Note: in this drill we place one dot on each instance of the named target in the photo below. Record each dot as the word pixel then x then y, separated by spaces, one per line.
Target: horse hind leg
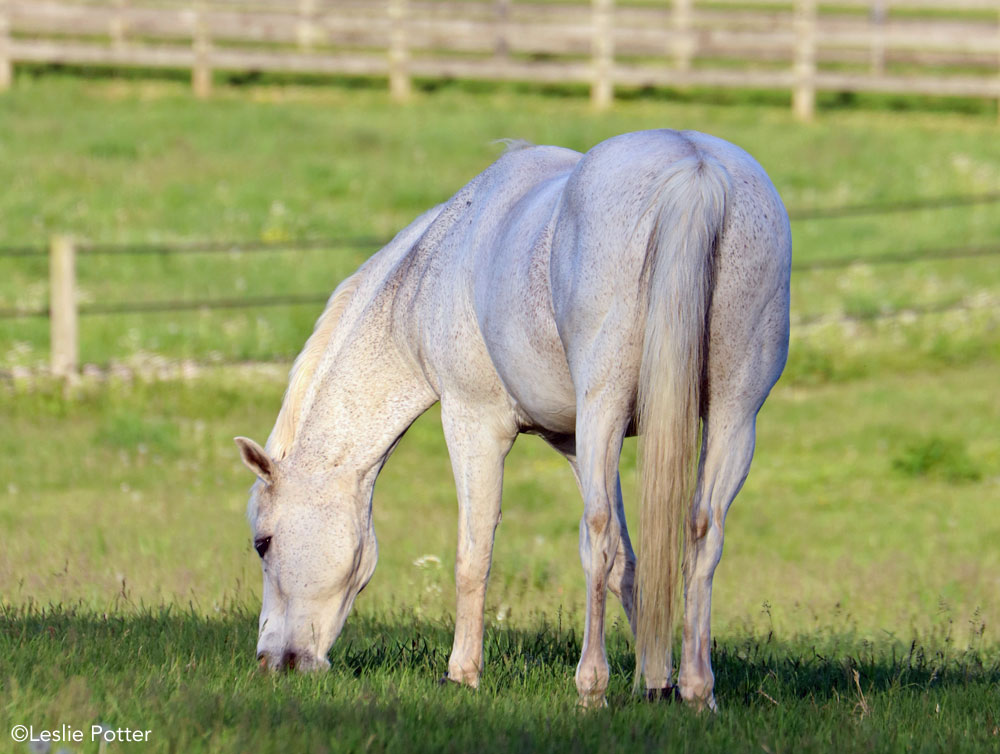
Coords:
pixel 600 429
pixel 738 386
pixel 621 580
pixel 726 455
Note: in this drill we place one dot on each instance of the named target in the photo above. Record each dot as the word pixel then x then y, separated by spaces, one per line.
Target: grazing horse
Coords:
pixel 642 288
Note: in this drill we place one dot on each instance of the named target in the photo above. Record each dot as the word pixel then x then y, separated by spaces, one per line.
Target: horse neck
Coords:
pixel 364 398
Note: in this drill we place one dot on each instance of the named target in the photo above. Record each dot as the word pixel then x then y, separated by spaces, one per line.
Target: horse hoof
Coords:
pixel 699 704
pixel 468 681
pixel 666 694
pixel 592 701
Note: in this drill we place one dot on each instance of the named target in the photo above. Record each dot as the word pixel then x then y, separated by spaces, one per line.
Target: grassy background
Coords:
pixel 140 161
pixel 127 582
pixel 886 483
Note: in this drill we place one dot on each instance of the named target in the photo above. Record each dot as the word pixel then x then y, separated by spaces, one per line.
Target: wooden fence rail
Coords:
pixel 934 47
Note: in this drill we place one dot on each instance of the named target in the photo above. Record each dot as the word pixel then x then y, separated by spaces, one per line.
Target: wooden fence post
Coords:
pixel 877 18
pixel 117 30
pixel 307 25
pixel 602 88
pixel 62 307
pixel 683 40
pixel 804 94
pixel 201 73
pixel 6 67
pixel 399 53
pixel 502 48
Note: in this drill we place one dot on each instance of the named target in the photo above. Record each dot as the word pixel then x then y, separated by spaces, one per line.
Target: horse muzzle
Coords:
pixel 290 659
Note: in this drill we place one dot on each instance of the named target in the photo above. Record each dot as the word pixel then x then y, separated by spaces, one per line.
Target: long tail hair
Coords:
pixel 690 208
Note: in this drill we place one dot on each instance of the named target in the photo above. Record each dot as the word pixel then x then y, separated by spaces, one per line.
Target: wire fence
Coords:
pixel 180 305
pixel 369 243
pixel 200 247
pixel 908 205
pixel 260 302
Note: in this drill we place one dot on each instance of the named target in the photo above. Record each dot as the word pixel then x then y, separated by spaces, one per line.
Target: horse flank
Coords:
pixel 304 368
pixel 690 203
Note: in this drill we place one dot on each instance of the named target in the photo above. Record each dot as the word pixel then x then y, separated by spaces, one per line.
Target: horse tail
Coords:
pixel 689 203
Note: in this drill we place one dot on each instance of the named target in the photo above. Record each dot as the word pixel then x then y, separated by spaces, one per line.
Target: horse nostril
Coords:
pixel 288 661
pixel 262 660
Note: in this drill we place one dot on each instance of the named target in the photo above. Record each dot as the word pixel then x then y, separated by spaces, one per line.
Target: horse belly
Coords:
pixel 531 363
pixel 514 304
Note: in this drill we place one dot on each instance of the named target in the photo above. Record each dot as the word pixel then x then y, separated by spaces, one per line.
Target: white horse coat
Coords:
pixel 640 287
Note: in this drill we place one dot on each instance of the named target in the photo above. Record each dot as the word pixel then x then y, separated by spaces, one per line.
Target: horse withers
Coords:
pixel 641 287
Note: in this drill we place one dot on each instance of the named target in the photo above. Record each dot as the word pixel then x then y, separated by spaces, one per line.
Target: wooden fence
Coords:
pixel 932 47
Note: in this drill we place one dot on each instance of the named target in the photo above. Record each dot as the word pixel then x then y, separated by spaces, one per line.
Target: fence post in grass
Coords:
pixel 307 25
pixel 804 94
pixel 399 54
pixel 683 38
pixel 201 73
pixel 6 68
pixel 602 87
pixel 117 30
pixel 502 48
pixel 62 307
pixel 877 18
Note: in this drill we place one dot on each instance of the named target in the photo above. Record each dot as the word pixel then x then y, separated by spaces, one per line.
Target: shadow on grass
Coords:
pixel 819 665
pixel 192 680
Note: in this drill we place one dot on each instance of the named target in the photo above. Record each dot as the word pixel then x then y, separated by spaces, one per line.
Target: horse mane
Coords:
pixel 304 368
pixel 513 145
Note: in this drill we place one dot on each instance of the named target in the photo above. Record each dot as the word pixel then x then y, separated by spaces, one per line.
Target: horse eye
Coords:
pixel 261 545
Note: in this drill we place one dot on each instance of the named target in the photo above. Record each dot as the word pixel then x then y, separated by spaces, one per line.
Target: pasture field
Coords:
pixel 855 608
pixel 141 161
pixel 865 540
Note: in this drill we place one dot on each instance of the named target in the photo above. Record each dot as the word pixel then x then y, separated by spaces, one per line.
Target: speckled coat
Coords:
pixel 640 287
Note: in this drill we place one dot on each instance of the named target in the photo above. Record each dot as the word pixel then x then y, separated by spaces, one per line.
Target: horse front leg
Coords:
pixel 599 443
pixel 477 453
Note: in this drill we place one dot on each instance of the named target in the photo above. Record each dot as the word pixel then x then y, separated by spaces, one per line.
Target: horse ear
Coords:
pixel 256 459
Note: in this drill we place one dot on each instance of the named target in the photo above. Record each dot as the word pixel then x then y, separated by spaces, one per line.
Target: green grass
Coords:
pixel 136 487
pixel 141 161
pixel 160 667
pixel 864 539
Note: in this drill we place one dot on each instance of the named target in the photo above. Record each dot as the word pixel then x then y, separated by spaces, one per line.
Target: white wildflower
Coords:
pixel 425 562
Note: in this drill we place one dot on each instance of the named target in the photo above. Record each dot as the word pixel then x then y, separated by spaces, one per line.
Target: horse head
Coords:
pixel 317 550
